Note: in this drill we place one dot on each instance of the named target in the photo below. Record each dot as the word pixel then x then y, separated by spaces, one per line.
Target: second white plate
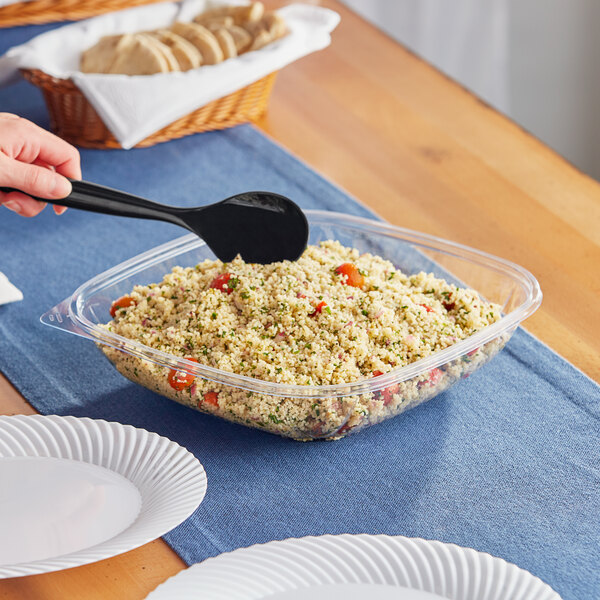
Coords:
pixel 353 567
pixel 75 491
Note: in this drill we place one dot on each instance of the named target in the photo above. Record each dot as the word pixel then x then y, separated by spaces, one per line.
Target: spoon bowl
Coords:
pixel 262 227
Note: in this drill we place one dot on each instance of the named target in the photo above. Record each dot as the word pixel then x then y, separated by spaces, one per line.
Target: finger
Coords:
pixel 41 163
pixel 55 152
pixel 33 180
pixel 21 204
pixel 71 168
pixel 59 210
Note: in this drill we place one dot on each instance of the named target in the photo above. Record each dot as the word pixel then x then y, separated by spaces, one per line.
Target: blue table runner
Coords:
pixel 507 462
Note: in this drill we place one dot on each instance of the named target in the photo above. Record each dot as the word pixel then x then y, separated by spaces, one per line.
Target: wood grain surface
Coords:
pixel 426 154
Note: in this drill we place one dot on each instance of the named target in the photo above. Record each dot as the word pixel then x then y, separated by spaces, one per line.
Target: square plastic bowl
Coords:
pixel 306 412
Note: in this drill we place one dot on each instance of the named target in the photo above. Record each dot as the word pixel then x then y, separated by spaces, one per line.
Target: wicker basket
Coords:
pixel 74 119
pixel 37 12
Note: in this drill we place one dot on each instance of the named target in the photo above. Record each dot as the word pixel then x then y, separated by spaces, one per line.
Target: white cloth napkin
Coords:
pixel 8 292
pixel 133 107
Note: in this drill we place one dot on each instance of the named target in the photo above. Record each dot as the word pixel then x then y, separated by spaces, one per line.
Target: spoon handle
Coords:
pixel 100 199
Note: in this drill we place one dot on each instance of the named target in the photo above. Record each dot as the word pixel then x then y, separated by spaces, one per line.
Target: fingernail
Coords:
pixel 13 205
pixel 61 187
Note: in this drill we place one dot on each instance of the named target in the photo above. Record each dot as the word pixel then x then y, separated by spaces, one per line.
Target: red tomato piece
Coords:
pixel 179 380
pixel 353 275
pixel 387 394
pixel 435 377
pixel 319 308
pixel 427 308
pixel 122 302
pixel 472 352
pixel 211 398
pixel 220 283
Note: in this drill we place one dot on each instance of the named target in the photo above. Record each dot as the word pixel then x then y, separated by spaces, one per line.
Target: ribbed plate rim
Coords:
pixel 140 452
pixel 446 569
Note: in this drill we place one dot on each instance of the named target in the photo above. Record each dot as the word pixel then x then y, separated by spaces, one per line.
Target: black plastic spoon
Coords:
pixel 262 227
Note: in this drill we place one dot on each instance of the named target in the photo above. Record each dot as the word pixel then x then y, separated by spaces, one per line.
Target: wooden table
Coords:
pixel 426 154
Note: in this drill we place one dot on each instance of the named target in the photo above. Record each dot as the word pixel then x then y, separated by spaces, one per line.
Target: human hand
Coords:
pixel 35 161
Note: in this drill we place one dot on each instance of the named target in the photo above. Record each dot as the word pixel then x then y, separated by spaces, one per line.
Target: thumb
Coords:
pixel 33 179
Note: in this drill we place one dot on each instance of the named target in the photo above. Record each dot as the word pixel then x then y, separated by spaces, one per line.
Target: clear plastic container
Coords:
pixel 307 412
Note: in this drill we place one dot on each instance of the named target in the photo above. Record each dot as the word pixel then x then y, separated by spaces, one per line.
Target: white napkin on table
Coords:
pixel 133 107
pixel 8 292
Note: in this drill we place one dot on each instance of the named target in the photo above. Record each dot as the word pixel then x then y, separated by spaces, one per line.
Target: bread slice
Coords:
pixel 202 39
pixel 100 57
pixel 164 50
pixel 139 57
pixel 248 13
pixel 212 22
pixel 241 38
pixel 270 28
pixel 186 54
pixel 226 42
pixel 271 22
pixel 275 24
pixel 261 39
pixel 240 14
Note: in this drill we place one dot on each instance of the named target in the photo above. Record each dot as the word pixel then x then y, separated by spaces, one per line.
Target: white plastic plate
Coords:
pixel 352 567
pixel 75 491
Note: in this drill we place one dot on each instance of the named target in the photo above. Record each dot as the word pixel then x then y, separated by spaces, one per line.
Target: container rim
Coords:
pixel 77 323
